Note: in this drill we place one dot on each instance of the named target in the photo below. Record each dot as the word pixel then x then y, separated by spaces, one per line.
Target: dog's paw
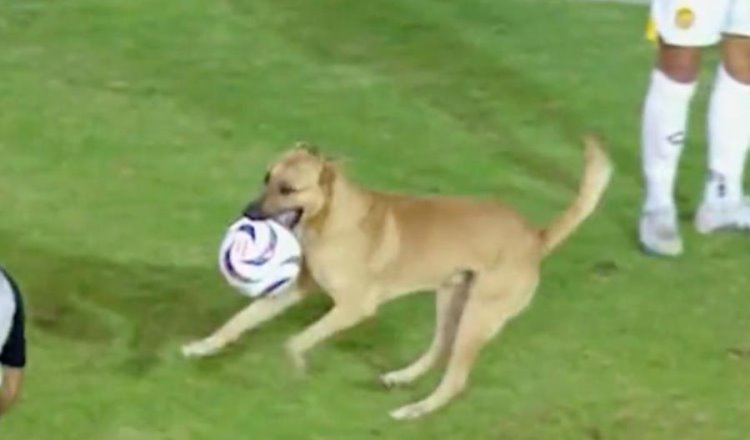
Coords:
pixel 396 379
pixel 410 412
pixel 201 348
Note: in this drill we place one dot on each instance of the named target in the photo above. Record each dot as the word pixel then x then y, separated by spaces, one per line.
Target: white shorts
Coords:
pixel 699 22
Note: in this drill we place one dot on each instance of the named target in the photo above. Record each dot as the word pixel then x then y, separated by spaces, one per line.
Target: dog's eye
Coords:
pixel 286 189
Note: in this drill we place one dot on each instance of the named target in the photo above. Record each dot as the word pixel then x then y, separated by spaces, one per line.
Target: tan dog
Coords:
pixel 365 248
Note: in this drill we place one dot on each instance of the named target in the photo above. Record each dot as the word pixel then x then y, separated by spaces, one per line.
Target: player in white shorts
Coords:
pixel 682 28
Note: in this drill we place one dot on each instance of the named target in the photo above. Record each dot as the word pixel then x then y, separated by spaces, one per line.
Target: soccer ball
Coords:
pixel 259 257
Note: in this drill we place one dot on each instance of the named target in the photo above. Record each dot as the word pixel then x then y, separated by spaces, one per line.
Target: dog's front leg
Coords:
pixel 250 317
pixel 340 317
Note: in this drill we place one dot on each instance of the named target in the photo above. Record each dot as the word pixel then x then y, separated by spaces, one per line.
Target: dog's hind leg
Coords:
pixel 492 302
pixel 450 299
pixel 252 316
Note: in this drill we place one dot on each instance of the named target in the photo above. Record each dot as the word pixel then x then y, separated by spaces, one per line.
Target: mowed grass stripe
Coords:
pixel 429 62
pixel 513 120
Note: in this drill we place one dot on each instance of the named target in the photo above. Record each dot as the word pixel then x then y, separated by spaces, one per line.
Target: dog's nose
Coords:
pixel 253 211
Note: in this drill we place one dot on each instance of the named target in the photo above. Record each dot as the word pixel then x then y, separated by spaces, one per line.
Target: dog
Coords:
pixel 365 248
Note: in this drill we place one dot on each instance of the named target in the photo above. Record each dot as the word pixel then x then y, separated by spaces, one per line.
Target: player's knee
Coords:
pixel 679 63
pixel 736 58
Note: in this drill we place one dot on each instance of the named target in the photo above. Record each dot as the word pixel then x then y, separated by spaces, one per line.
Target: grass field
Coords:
pixel 132 132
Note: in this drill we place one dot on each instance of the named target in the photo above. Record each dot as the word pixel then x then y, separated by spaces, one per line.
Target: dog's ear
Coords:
pixel 316 151
pixel 337 161
pixel 327 174
pixel 308 147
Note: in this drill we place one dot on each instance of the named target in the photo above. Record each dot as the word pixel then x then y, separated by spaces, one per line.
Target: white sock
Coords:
pixel 729 139
pixel 664 124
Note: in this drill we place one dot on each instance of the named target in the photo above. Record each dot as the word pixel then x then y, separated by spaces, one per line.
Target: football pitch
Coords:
pixel 132 132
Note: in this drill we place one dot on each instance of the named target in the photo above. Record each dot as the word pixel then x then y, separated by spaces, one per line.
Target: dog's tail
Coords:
pixel 597 173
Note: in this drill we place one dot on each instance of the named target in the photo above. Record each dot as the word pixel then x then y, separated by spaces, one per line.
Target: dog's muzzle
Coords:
pixel 288 217
pixel 253 211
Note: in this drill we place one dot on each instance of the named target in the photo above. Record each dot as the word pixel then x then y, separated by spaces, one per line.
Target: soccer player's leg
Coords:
pixel 724 204
pixel 12 342
pixel 680 35
pixel 663 127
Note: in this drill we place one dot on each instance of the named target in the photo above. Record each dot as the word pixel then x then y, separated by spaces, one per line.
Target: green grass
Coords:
pixel 132 131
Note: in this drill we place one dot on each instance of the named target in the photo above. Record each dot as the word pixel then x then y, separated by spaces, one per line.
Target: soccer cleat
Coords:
pixel 659 233
pixel 715 216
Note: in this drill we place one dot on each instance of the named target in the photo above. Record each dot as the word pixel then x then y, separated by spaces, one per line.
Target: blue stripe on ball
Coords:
pixel 249 229
pixel 232 271
pixel 268 253
pixel 268 290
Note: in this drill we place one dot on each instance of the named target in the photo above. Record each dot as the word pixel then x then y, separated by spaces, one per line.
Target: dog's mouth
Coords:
pixel 289 217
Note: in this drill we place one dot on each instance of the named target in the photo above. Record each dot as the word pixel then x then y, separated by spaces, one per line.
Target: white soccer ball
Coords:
pixel 259 257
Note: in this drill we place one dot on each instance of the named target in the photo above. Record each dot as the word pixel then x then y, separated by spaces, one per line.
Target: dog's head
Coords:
pixel 295 188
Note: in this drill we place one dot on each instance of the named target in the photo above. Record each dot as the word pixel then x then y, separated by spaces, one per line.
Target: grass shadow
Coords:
pixel 147 308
